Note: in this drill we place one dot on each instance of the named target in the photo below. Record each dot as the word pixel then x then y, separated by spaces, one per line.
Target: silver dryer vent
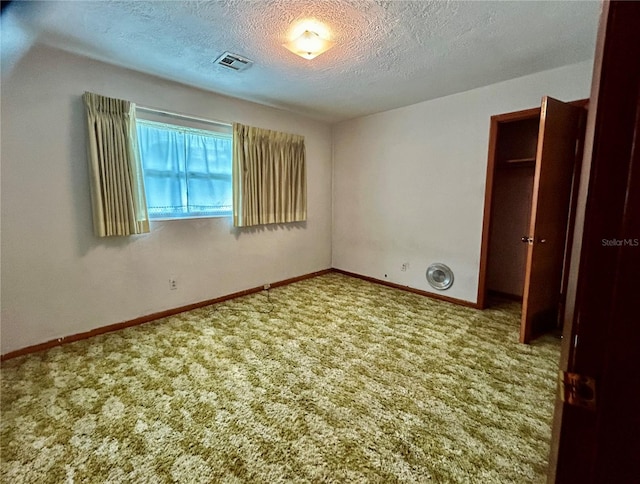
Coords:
pixel 440 276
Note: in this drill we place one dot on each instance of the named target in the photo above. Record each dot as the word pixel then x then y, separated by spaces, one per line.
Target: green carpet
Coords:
pixel 331 379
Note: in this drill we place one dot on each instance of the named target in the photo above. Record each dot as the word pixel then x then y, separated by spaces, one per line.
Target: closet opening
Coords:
pixel 511 207
pixel 532 179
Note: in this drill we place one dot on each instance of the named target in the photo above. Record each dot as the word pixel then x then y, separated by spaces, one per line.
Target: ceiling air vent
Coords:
pixel 233 61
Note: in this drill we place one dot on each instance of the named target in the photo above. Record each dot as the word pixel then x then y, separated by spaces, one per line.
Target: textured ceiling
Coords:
pixel 387 54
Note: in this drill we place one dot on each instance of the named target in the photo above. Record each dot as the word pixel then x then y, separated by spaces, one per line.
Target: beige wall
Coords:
pixel 408 186
pixel 59 279
pixel 409 183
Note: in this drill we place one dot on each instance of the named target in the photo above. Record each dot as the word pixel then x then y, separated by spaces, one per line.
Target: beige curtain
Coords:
pixel 117 184
pixel 269 177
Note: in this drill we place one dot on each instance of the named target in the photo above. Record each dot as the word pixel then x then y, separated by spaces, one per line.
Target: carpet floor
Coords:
pixel 331 379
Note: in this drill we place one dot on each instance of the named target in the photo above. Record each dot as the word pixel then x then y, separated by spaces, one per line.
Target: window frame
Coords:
pixel 195 126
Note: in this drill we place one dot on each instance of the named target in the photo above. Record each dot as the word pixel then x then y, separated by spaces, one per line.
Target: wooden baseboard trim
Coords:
pixel 286 282
pixel 505 295
pixel 453 300
pixel 151 317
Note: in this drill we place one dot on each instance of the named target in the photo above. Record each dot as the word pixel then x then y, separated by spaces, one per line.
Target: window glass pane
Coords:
pixel 209 195
pixel 208 154
pixel 208 173
pixel 163 162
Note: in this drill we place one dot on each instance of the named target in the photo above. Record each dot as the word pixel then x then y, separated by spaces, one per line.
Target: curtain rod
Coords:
pixel 178 115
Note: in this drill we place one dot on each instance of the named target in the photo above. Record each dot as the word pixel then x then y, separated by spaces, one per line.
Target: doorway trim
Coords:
pixel 523 115
pixel 488 193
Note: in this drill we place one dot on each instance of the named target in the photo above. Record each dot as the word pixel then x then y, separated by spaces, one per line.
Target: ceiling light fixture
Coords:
pixel 309 44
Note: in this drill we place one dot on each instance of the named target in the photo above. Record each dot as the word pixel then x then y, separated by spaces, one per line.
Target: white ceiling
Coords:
pixel 387 54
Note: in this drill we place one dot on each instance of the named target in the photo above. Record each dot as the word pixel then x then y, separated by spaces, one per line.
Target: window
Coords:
pixel 187 171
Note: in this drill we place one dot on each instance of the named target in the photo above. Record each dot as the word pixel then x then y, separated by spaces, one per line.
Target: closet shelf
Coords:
pixel 515 161
pixel 518 162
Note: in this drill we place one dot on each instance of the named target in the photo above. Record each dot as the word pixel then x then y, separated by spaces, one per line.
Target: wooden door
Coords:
pixel 555 161
pixel 600 442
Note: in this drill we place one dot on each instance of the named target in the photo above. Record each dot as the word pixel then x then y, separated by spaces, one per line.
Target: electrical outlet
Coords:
pixel 405 267
pixel 173 284
pixel 267 286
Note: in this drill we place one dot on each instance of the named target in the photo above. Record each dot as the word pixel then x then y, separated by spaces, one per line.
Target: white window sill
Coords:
pixel 188 217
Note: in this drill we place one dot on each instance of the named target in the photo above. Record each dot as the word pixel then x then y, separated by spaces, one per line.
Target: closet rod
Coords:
pixel 178 115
